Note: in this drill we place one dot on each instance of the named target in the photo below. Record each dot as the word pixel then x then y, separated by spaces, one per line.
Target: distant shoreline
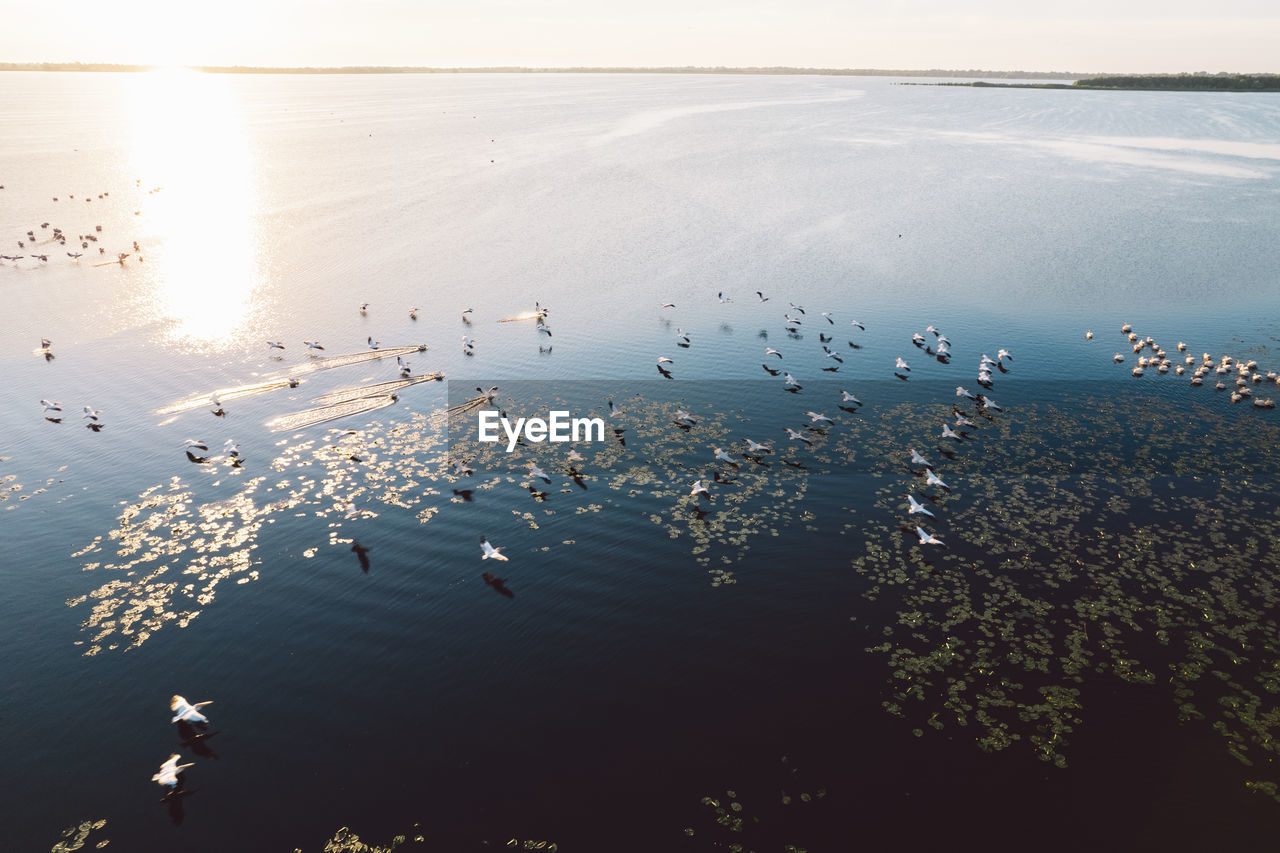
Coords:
pixel 515 69
pixel 1146 83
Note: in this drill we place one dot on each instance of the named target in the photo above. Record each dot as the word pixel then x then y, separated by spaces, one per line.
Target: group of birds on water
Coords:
pixel 937 347
pixel 192 726
pixel 1246 372
pixel 819 422
pixel 36 244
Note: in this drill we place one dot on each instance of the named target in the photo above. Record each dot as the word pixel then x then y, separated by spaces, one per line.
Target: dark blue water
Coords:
pixel 1106 535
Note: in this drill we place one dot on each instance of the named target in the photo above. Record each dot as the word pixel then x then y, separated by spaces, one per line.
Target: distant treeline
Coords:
pixel 1200 82
pixel 517 69
pixel 1186 82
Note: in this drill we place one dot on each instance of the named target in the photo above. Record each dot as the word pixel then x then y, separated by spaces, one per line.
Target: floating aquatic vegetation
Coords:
pixel 740 826
pixel 9 486
pixel 346 841
pixel 76 837
pixel 1111 550
pixel 173 547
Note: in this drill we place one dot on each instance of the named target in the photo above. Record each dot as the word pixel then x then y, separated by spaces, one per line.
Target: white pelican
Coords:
pixel 790 380
pixel 275 344
pixel 574 456
pixel 50 406
pixel 962 421
pixel 490 552
pixel 194 442
pixel 1126 328
pixel 902 364
pixel 185 711
pixel 932 479
pixel 988 403
pixel 662 359
pixel 413 313
pixel 725 457
pixel 168 775
pixel 699 489
pixel 947 432
pixel 961 391
pixel 723 299
pixel 859 325
pixel 763 298
pixel 917 459
pixel 772 351
pixel 928 538
pixel 681 337
pixel 90 413
pixel 798 436
pixel 756 447
pixel 313 345
pixel 535 471
pixel 1117 358
pixel 374 344
pixel 1003 354
pixel 814 417
pixel 846 397
pixel 682 415
pixel 933 329
pixel 1088 335
pixel 667 305
pixel 461 469
pixel 364 307
pixel 827 314
pixel 915 506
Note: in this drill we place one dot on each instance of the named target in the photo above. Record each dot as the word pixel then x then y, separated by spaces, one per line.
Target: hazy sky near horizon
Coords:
pixel 1082 36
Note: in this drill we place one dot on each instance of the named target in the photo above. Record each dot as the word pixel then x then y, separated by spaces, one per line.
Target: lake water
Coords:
pixel 1091 660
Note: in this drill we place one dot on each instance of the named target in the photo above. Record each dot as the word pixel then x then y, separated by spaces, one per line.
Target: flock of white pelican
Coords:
pixel 1243 374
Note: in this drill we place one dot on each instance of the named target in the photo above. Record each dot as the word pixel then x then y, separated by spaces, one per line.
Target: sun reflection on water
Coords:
pixel 196 186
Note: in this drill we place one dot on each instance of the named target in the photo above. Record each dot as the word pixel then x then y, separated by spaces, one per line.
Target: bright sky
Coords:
pixel 1080 35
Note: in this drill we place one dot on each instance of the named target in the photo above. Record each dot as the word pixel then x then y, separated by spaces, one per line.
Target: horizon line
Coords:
pixel 602 69
pixel 529 69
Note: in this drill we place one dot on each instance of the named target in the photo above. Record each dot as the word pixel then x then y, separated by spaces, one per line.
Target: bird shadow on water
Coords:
pixel 499 585
pixel 196 740
pixel 362 554
pixel 175 803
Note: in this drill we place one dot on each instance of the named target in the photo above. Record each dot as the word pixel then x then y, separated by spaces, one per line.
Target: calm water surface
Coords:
pixel 1090 661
